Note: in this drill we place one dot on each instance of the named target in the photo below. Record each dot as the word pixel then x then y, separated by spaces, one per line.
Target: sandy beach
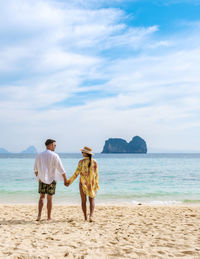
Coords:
pixel 118 232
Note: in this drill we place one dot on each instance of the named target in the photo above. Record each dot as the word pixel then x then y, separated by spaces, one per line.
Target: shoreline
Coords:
pixel 99 206
pixel 109 203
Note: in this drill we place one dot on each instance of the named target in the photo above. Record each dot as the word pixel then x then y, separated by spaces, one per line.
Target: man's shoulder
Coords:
pixel 53 154
pixel 48 153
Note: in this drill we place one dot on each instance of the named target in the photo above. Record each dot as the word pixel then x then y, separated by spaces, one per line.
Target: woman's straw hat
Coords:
pixel 87 150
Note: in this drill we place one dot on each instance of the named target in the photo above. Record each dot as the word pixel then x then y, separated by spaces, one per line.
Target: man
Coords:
pixel 48 168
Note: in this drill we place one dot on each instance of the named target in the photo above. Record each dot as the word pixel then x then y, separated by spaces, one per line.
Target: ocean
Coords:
pixel 124 179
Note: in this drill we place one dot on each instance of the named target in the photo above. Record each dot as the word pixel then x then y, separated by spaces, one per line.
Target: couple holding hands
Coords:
pixel 48 169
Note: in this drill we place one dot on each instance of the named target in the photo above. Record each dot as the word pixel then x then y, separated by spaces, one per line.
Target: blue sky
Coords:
pixel 83 71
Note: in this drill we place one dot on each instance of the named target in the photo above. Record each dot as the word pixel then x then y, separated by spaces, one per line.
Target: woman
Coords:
pixel 89 180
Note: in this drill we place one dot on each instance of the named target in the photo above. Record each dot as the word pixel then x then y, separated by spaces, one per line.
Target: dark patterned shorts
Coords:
pixel 47 188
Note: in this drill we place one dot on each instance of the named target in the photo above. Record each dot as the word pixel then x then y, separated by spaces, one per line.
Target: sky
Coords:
pixel 81 72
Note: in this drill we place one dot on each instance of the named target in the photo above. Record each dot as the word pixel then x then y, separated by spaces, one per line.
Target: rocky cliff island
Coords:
pixel 3 151
pixel 117 145
pixel 30 150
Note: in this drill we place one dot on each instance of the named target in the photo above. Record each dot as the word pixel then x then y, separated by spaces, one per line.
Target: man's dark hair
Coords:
pixel 49 141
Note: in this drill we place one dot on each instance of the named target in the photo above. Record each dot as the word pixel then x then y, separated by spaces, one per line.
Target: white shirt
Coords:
pixel 49 167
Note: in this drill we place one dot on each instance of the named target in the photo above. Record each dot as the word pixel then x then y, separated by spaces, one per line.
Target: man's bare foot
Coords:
pixel 38 219
pixel 49 219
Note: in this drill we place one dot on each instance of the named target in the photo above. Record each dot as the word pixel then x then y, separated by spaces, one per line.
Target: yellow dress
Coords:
pixel 89 178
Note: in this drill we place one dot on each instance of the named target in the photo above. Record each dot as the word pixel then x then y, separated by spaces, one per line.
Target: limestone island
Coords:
pixel 117 145
pixel 30 150
pixel 3 151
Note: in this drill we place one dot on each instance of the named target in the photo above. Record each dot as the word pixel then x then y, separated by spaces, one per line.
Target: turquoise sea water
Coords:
pixel 124 178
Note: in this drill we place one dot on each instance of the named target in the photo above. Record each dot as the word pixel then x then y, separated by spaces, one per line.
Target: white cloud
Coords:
pixel 52 49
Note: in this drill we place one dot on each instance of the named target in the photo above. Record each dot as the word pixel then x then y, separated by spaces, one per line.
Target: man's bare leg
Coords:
pixel 49 206
pixel 92 206
pixel 83 201
pixel 40 206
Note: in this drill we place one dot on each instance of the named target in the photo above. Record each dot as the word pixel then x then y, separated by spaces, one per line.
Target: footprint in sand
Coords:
pixel 189 252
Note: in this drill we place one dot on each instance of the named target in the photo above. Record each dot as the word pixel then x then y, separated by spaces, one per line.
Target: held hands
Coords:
pixel 67 183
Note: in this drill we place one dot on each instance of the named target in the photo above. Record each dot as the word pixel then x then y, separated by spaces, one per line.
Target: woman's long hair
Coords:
pixel 90 159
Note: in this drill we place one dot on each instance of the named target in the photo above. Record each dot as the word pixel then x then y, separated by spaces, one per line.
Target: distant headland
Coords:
pixel 29 150
pixel 117 145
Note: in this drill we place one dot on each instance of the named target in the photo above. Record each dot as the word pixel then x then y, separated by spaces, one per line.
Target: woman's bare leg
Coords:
pixel 83 201
pixel 92 206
